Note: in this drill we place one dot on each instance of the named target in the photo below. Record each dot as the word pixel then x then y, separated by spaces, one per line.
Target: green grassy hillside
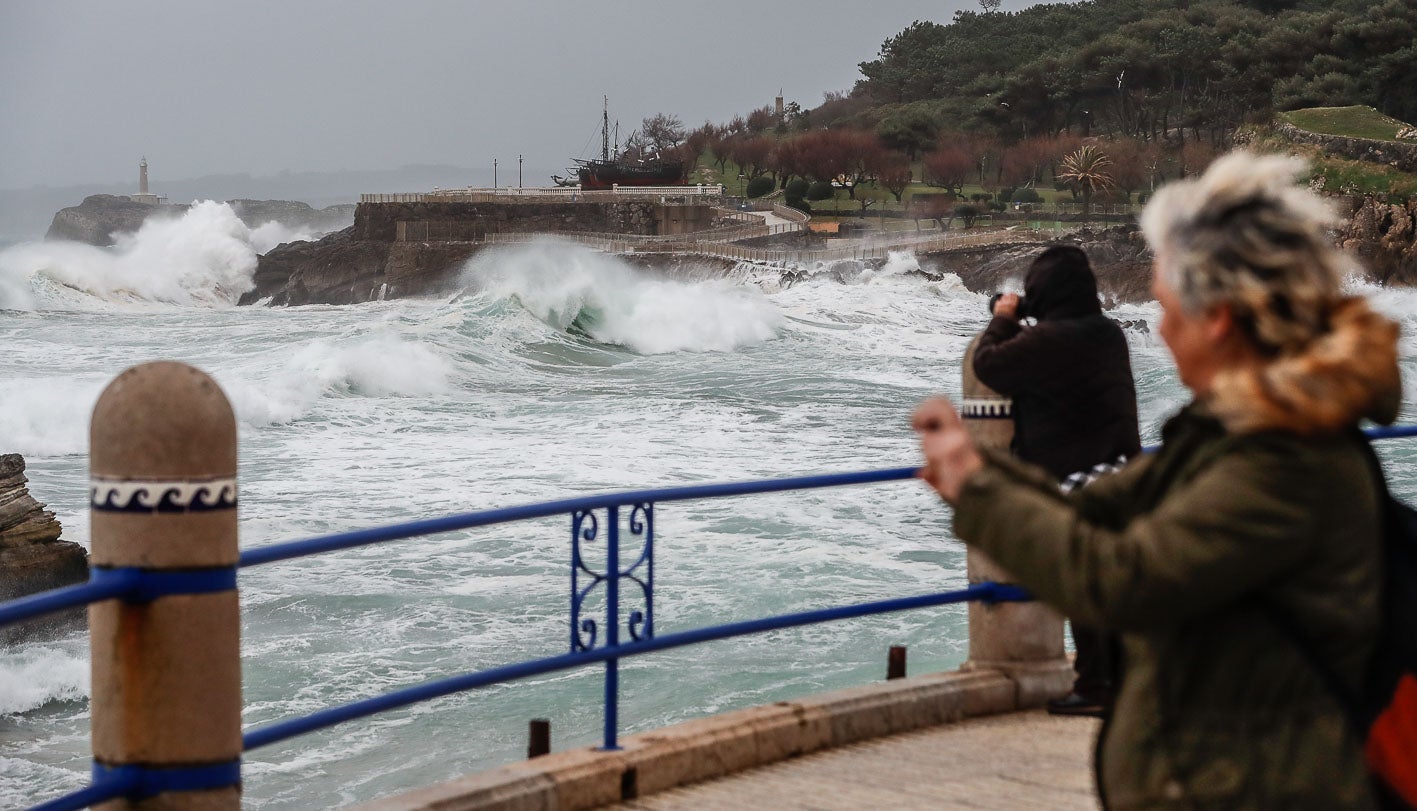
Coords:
pixel 1350 122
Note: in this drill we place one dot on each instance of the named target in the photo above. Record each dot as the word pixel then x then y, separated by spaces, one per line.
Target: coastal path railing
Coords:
pixel 873 248
pixel 164 623
pixel 668 195
pixel 739 225
pixel 165 703
pixel 860 250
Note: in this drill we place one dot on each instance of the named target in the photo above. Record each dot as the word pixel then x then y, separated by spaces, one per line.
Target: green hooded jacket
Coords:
pixel 1188 552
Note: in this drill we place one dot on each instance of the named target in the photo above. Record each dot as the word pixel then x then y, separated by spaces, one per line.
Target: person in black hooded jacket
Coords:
pixel 1074 406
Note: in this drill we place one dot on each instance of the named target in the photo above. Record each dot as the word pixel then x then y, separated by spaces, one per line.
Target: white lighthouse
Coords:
pixel 143 195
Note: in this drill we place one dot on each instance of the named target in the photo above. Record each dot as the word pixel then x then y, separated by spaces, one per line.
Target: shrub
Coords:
pixel 1026 196
pixel 796 189
pixel 820 190
pixel 799 204
pixel 760 185
pixel 968 213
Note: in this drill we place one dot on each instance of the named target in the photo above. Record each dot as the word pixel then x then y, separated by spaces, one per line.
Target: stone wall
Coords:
pixel 1389 153
pixel 32 558
pixel 379 221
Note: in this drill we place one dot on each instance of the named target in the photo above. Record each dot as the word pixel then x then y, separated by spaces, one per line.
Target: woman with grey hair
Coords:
pixel 1258 516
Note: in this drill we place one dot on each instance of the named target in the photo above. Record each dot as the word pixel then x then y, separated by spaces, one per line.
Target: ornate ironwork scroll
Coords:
pixel 586 529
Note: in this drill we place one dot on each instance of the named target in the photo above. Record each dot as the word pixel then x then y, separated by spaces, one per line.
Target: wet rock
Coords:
pixel 1119 255
pixel 32 557
pixel 1384 237
pixel 100 217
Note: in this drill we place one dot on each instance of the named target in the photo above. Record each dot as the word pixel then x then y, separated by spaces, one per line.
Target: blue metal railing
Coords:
pixel 139 586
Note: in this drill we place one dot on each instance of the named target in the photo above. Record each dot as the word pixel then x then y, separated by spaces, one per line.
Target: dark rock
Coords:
pixel 96 220
pixel 341 269
pixel 1384 237
pixel 32 558
pixel 100 216
pixel 293 214
pixel 1119 255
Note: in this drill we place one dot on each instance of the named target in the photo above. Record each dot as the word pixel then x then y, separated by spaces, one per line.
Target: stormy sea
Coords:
pixel 556 372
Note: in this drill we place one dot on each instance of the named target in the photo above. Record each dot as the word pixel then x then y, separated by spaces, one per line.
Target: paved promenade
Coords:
pixel 1013 761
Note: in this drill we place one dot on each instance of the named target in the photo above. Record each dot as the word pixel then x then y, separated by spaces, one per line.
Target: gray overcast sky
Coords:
pixel 259 86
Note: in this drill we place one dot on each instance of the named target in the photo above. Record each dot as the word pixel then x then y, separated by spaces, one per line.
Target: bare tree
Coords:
pixel 896 176
pixel 1133 163
pixel 662 132
pixel 751 154
pixel 949 167
pixel 990 6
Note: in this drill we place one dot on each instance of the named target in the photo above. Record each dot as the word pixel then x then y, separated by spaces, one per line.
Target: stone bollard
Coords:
pixel 166 664
pixel 1023 640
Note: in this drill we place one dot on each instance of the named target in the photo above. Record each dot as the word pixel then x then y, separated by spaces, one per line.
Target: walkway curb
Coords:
pixel 711 747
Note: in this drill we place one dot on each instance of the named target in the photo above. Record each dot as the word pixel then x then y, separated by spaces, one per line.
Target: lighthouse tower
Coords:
pixel 143 195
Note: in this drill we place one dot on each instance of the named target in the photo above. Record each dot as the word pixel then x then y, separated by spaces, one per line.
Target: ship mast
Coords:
pixel 605 130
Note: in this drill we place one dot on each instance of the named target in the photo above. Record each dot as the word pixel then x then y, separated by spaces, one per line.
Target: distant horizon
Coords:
pixel 26 213
pixel 154 180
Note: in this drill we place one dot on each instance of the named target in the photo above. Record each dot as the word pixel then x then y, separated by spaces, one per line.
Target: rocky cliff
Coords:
pixel 32 558
pixel 343 269
pixel 417 248
pixel 1384 237
pixel 368 261
pixel 100 216
pixel 1119 255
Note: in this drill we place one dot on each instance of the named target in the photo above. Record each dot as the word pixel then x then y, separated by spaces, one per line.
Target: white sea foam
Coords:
pixel 571 288
pixel 203 258
pixel 31 677
pixel 378 365
pixel 47 416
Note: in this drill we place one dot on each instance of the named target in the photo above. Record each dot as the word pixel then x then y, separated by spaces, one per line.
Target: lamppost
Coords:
pixel 494 173
pixel 519 171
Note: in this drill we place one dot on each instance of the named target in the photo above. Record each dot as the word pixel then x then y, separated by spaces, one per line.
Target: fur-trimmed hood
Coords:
pixel 1348 374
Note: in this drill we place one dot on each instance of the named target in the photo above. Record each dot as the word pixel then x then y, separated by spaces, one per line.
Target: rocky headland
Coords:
pixel 372 259
pixel 396 250
pixel 32 556
pixel 99 217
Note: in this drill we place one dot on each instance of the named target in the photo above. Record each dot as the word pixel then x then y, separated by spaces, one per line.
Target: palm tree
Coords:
pixel 1086 169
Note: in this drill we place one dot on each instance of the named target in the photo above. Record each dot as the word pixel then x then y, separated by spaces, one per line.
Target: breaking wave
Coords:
pixel 205 258
pixel 607 300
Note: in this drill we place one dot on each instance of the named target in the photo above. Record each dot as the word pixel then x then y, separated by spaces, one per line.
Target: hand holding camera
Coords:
pixel 1006 305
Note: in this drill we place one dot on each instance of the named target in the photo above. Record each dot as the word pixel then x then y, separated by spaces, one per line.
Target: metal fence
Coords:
pixel 137 511
pixel 591 640
pixel 667 195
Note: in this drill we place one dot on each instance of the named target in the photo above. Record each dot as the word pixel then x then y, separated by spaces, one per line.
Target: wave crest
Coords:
pixel 205 258
pixel 607 300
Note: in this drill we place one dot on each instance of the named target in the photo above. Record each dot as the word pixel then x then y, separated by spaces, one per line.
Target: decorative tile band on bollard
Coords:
pixel 166 657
